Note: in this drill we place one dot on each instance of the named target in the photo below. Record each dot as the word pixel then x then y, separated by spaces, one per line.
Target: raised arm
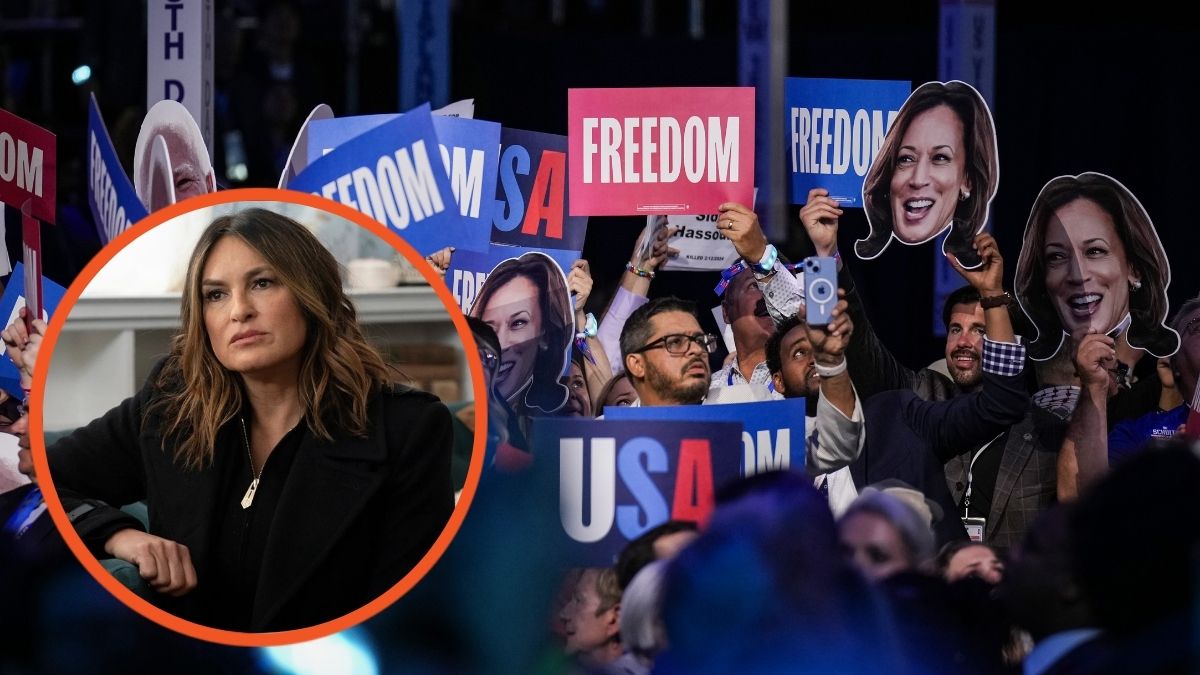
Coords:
pixel 1083 456
pixel 633 291
pixel 837 436
pixel 596 368
pixel 873 368
pixel 1002 400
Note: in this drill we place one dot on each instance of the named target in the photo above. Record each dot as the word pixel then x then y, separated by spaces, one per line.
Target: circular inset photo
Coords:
pixel 246 431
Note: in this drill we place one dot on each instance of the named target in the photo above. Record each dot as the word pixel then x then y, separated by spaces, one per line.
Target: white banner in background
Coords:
pixel 179 58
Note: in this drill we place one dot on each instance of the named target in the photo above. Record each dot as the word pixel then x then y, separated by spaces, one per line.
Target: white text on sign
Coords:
pixel 111 213
pixel 658 149
pixel 21 163
pixel 830 140
pixel 400 189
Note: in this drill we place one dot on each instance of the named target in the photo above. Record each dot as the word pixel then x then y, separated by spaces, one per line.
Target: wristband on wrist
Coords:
pixel 767 263
pixel 590 328
pixel 1002 300
pixel 830 371
pixel 639 271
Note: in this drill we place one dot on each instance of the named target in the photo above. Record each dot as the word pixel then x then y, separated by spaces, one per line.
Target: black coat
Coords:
pixel 910 439
pixel 354 516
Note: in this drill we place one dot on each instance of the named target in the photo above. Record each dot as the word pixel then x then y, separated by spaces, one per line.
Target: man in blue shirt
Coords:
pixel 1178 374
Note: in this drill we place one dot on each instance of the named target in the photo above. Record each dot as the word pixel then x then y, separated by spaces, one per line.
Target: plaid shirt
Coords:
pixel 1003 358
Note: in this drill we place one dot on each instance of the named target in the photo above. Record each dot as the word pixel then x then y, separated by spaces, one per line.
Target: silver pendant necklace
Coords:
pixel 248 498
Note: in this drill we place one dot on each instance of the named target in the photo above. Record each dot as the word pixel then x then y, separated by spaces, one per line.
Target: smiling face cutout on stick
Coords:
pixel 1091 261
pixel 936 170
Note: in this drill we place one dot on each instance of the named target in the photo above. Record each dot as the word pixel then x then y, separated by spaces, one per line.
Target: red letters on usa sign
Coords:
pixel 27 163
pixel 659 150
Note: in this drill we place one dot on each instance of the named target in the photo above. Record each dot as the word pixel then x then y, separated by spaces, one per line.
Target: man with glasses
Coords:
pixel 666 357
pixel 666 353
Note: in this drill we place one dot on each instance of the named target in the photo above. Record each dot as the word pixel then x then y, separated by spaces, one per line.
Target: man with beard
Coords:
pixel 793 353
pixel 666 353
pixel 1005 481
pixel 666 358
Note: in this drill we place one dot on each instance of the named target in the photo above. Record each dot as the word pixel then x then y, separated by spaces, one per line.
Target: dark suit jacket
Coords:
pixel 354 517
pixel 910 438
pixel 1027 482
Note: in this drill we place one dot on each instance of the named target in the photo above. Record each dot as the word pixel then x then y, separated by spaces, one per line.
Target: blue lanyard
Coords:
pixel 770 383
pixel 16 524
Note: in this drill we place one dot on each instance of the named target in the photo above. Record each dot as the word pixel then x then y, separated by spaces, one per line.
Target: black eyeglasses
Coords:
pixel 11 410
pixel 677 344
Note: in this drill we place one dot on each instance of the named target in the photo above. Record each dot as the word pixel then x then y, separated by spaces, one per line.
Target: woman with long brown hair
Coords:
pixel 288 480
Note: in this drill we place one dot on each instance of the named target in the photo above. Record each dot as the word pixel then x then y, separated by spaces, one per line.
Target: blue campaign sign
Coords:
pixel 619 479
pixel 390 174
pixel 470 151
pixel 115 206
pixel 834 129
pixel 469 269
pixel 10 305
pixel 532 197
pixel 325 135
pixel 770 428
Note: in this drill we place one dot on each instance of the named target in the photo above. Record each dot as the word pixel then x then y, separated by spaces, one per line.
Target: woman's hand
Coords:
pixel 164 564
pixel 579 283
pixel 23 346
pixel 658 251
pixel 1095 357
pixel 440 260
pixel 819 216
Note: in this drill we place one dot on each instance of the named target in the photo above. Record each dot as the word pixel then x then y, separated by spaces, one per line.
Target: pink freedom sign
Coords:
pixel 659 150
pixel 27 164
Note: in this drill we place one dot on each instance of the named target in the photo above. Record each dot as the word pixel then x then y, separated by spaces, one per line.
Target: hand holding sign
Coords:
pixel 1095 357
pixel 740 226
pixel 819 216
pixel 579 283
pixel 988 277
pixel 650 255
pixel 23 344
pixel 440 260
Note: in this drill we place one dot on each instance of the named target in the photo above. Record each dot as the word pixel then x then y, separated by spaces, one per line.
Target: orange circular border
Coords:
pixel 143 607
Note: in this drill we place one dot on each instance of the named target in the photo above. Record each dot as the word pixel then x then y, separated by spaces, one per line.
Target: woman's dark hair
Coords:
pixel 545 393
pixel 1144 251
pixel 982 170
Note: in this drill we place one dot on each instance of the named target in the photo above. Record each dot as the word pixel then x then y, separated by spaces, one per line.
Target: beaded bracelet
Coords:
pixel 639 271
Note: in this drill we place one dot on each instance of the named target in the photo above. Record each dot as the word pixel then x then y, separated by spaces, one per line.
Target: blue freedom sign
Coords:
pixel 618 479
pixel 770 429
pixel 10 305
pixel 470 151
pixel 114 203
pixel 391 174
pixel 834 129
pixel 532 196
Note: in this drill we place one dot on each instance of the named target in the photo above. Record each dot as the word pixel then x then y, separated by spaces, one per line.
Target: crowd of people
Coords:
pixel 946 519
